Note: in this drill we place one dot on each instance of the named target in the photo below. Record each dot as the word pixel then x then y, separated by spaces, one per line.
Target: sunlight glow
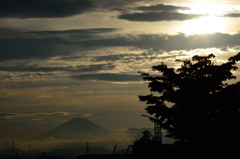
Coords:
pixel 203 25
pixel 212 9
pixel 211 20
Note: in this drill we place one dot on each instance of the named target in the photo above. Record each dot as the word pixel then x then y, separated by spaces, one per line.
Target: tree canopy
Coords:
pixel 147 146
pixel 195 103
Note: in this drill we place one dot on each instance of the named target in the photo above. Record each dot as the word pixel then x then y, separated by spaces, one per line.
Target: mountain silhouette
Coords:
pixel 78 151
pixel 8 152
pixel 63 153
pixel 75 128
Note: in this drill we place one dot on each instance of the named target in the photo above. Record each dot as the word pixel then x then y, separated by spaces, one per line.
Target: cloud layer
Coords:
pixel 161 7
pixel 108 77
pixel 158 16
pixel 74 52
pixel 43 8
pixel 158 12
pixel 44 44
pixel 35 115
pixel 27 47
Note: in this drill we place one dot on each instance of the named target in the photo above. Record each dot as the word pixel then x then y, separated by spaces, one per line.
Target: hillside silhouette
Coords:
pixel 76 128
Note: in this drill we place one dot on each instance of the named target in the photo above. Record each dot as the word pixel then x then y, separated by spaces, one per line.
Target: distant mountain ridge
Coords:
pixel 64 153
pixel 20 152
pixel 75 128
pixel 79 151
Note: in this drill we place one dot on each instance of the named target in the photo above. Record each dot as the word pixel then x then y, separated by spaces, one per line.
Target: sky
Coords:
pixel 62 59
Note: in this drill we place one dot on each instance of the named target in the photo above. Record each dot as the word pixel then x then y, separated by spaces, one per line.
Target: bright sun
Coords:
pixel 203 25
pixel 208 24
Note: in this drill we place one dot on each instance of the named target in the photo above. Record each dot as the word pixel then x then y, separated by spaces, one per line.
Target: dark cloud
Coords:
pixel 36 68
pixel 42 114
pixel 43 8
pixel 77 34
pixel 29 47
pixel 126 58
pixel 23 48
pixel 234 15
pixel 21 68
pixel 120 4
pixel 94 68
pixel 158 16
pixel 161 7
pixel 60 8
pixel 170 42
pixel 109 58
pixel 17 44
pixel 4 115
pixel 80 32
pixel 108 77
pixel 160 12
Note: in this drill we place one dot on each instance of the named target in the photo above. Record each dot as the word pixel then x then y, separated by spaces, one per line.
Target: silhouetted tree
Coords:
pixel 146 146
pixel 195 104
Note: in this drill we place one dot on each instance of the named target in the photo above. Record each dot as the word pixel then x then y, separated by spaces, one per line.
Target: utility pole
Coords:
pixel 128 149
pixel 29 150
pixel 87 153
pixel 114 149
pixel 157 132
pixel 13 148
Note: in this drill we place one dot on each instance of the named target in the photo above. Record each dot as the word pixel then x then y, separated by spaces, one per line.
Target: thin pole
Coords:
pixel 29 150
pixel 127 149
pixel 13 148
pixel 87 153
pixel 114 149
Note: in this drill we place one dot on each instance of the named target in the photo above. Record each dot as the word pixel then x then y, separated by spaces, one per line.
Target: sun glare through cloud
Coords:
pixel 204 25
pixel 211 21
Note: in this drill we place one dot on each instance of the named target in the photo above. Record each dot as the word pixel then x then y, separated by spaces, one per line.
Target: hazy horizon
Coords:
pixel 47 141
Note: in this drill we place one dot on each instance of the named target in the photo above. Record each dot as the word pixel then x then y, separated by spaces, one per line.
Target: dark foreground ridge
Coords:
pixel 75 128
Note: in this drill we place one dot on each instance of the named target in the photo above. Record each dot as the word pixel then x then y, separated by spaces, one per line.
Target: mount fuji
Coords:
pixel 76 128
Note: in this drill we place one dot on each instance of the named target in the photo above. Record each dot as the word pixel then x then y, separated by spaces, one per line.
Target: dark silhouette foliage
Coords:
pixel 150 147
pixel 196 105
pixel 146 146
